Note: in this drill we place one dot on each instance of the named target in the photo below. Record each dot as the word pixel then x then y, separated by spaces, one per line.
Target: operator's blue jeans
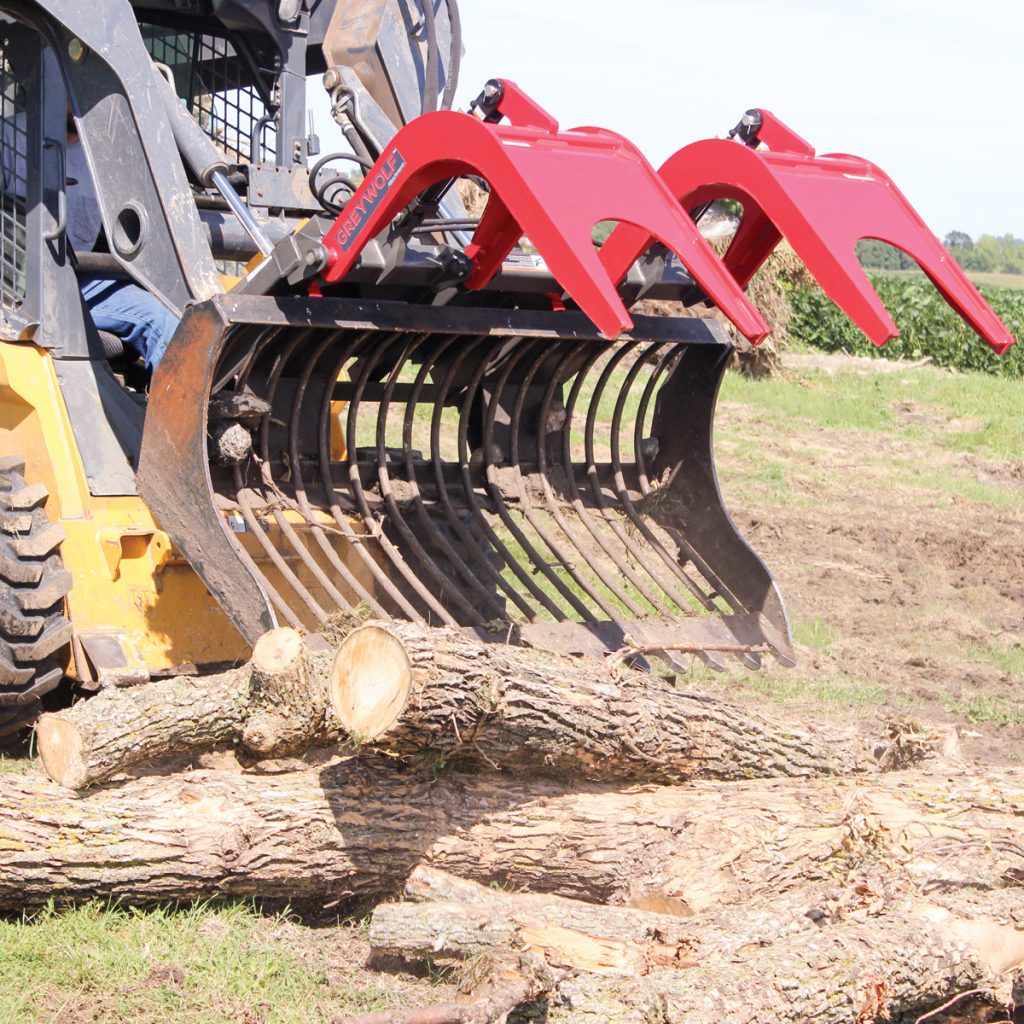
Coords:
pixel 139 319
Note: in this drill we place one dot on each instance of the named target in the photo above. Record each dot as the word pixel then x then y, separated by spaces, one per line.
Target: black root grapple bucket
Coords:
pixel 507 471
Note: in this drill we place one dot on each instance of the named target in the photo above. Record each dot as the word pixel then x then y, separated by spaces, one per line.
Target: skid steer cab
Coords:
pixel 367 397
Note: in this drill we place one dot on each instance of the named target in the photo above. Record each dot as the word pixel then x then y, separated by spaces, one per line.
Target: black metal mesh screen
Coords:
pixel 218 86
pixel 13 164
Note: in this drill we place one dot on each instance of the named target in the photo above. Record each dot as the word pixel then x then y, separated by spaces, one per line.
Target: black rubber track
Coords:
pixel 33 584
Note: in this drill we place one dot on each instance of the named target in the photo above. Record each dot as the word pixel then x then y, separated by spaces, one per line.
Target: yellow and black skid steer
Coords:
pixel 372 398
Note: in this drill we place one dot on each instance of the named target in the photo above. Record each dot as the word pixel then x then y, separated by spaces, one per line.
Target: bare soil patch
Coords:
pixel 896 577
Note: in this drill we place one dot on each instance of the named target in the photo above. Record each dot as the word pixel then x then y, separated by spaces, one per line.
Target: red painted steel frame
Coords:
pixel 823 205
pixel 552 187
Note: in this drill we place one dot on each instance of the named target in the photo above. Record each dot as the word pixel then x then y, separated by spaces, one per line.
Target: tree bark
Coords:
pixel 770 960
pixel 857 973
pixel 118 728
pixel 355 828
pixel 287 703
pixel 453 918
pixel 272 706
pixel 411 690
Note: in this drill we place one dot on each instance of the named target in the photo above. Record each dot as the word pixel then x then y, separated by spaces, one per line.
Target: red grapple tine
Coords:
pixel 612 182
pixel 553 187
pixel 823 205
pixel 903 227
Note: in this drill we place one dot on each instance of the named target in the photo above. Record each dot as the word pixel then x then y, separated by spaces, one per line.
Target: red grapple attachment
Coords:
pixel 823 205
pixel 549 185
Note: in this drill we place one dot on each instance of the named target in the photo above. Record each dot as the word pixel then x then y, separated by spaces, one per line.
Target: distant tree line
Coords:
pixel 989 254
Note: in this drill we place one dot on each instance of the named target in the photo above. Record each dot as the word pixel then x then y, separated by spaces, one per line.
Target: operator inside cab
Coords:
pixel 117 306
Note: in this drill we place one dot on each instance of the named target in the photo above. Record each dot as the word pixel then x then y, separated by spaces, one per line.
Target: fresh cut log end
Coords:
pixel 60 749
pixel 278 650
pixel 370 682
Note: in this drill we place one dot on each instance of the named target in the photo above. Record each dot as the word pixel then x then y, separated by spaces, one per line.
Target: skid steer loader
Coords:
pixel 374 399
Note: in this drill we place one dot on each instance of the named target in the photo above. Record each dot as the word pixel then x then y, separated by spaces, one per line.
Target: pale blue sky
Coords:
pixel 931 90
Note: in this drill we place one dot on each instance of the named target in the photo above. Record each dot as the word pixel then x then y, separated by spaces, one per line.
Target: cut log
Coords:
pixel 411 690
pixel 892 968
pixel 452 918
pixel 273 705
pixel 287 703
pixel 325 833
pixel 95 739
pixel 838 972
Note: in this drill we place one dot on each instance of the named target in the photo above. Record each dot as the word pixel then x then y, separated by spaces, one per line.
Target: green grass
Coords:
pixel 837 690
pixel 1010 661
pixel 14 765
pixel 961 485
pixel 816 399
pixel 203 965
pixel 980 278
pixel 814 634
pixel 994 280
pixel 981 707
pixel 866 402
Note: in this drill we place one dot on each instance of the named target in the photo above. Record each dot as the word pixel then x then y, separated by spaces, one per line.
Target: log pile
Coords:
pixel 418 693
pixel 599 843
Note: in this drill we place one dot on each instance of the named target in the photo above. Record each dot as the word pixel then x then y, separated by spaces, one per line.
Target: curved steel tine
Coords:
pixel 294 465
pixel 627 502
pixel 643 478
pixel 471 611
pixel 426 522
pixel 336 562
pixel 356 540
pixel 607 579
pixel 242 491
pixel 750 660
pixel 609 515
pixel 663 369
pixel 242 366
pixel 355 483
pixel 276 559
pixel 476 509
pixel 494 490
pixel 498 495
pixel 575 491
pixel 526 503
pixel 280 605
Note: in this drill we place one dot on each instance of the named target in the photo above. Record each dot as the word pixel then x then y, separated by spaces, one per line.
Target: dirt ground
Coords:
pixel 907 592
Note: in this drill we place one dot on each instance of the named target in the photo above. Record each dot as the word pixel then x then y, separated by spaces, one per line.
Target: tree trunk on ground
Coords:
pixel 858 973
pixel 409 689
pixel 95 739
pixel 355 829
pixel 908 956
pixel 452 918
pixel 415 691
pixel 274 705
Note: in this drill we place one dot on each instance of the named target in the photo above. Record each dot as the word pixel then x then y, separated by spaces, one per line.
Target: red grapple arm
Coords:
pixel 552 187
pixel 823 205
